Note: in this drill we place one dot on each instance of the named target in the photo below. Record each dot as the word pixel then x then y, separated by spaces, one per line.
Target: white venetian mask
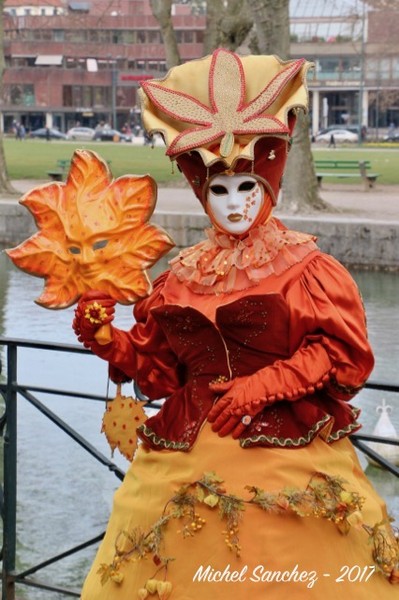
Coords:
pixel 234 202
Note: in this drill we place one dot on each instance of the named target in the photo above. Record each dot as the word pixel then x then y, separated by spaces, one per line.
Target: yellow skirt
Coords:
pixel 283 555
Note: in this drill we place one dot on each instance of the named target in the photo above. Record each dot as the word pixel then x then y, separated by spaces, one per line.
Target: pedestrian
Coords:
pixel 331 143
pixel 18 132
pixel 148 139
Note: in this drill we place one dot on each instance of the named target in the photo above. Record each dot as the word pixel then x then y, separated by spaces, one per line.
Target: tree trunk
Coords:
pixel 214 16
pixel 300 190
pixel 5 185
pixel 162 11
pixel 272 26
pixel 227 24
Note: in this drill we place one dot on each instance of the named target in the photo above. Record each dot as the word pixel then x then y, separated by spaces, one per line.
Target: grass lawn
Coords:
pixel 32 159
pixel 384 161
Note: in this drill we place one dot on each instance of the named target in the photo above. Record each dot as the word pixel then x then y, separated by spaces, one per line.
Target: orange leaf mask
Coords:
pixel 94 234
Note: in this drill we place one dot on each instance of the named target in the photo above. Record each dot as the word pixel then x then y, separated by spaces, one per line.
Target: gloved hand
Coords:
pixel 94 310
pixel 242 398
pixel 233 412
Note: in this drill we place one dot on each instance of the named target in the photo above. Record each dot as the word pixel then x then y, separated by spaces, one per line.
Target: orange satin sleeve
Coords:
pixel 329 349
pixel 143 353
pixel 326 308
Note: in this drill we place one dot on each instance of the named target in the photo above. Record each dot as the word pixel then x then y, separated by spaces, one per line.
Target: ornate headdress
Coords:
pixel 226 113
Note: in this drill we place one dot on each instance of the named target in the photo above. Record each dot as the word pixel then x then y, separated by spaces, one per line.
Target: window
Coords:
pixel 75 35
pixel 128 37
pixel 188 37
pixel 86 96
pixel 199 37
pixel 20 61
pixel 116 37
pixel 395 67
pixel 378 68
pixel 154 37
pixel 59 35
pixel 21 95
pixel 104 36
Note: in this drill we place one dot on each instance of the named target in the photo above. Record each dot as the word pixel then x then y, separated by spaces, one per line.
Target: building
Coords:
pixel 70 62
pixel 81 62
pixel 356 56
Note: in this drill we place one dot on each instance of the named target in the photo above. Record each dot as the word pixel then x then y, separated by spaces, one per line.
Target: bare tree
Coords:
pixel 162 11
pixel 5 185
pixel 214 17
pixel 300 190
pixel 230 23
pixel 272 25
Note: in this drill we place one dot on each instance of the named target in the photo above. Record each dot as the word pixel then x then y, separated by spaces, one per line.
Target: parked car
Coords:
pixel 48 133
pixel 340 135
pixel 330 128
pixel 111 135
pixel 80 133
pixel 393 137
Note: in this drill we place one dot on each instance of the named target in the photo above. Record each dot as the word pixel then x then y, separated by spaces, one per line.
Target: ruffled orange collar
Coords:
pixel 225 264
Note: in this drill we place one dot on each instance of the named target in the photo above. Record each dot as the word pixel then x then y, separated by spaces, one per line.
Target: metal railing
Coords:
pixel 8 429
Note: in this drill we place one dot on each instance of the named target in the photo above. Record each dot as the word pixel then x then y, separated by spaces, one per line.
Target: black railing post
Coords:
pixel 10 477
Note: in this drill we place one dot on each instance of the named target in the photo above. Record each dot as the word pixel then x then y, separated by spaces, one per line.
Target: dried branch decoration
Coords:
pixel 325 497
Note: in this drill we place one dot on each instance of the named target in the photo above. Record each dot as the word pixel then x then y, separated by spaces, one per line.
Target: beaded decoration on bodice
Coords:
pixel 248 335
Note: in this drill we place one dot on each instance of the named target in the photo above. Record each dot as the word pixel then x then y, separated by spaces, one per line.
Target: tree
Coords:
pixel 300 190
pixel 162 11
pixel 229 24
pixel 5 185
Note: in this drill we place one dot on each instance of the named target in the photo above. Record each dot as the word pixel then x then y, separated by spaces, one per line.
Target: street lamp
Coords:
pixel 362 73
pixel 114 81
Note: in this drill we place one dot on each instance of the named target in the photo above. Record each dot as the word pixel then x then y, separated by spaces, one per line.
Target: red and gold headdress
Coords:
pixel 227 113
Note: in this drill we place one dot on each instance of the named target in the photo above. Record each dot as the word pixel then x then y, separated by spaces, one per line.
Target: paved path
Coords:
pixel 351 201
pixel 379 204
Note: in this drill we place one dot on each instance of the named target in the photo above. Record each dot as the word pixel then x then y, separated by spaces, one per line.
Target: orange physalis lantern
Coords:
pixel 93 234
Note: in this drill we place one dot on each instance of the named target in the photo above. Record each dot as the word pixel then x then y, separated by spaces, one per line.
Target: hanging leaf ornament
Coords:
pixel 93 234
pixel 122 417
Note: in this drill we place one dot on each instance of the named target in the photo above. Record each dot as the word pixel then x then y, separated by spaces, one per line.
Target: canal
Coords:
pixel 64 496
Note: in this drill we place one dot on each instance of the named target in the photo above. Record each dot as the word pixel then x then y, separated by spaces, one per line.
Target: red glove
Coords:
pixel 94 310
pixel 308 369
pixel 233 412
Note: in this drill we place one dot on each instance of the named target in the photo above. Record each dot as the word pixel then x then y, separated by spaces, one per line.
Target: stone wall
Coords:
pixel 354 242
pixel 16 223
pixel 363 243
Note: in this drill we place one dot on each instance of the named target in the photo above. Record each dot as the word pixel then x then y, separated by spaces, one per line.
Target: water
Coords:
pixel 64 495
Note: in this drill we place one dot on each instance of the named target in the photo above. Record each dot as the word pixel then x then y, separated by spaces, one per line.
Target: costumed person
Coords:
pixel 245 484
